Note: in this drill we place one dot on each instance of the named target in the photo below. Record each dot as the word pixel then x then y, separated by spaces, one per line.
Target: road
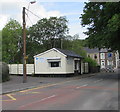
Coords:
pixel 99 92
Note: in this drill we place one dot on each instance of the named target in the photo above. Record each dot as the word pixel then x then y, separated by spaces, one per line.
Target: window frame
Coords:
pixel 52 64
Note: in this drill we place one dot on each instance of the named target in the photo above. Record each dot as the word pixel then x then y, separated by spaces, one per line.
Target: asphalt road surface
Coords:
pixel 98 92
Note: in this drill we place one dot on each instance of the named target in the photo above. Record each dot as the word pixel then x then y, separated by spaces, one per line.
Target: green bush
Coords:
pixel 5 72
pixel 91 62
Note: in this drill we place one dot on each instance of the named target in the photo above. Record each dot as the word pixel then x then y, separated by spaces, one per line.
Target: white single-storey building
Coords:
pixel 58 61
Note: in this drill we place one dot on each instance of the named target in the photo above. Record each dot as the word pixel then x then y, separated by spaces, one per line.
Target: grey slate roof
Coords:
pixel 96 50
pixel 69 53
pixel 88 50
pixel 104 50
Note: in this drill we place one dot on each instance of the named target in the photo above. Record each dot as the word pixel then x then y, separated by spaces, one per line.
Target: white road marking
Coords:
pixel 38 101
pixel 81 86
pixel 48 98
pixel 98 80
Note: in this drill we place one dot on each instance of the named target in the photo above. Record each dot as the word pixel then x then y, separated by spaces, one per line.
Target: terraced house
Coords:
pixel 104 57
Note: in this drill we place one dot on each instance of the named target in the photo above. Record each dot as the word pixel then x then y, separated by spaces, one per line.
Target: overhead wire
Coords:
pixel 27 12
pixel 33 13
pixel 29 19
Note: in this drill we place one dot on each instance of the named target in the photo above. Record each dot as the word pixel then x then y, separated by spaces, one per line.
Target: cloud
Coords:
pixel 3 20
pixel 77 29
pixel 13 8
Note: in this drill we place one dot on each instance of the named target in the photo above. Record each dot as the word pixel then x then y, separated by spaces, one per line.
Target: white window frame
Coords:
pixel 102 55
pixel 102 62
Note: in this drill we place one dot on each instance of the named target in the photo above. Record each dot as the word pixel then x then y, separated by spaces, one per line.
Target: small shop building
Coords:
pixel 58 62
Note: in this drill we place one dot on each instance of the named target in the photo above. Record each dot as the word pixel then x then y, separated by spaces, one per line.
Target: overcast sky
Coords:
pixel 72 9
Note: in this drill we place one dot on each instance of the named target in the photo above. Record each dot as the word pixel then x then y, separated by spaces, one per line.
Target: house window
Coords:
pixel 55 64
pixel 89 56
pixel 109 55
pixel 103 63
pixel 95 56
pixel 102 56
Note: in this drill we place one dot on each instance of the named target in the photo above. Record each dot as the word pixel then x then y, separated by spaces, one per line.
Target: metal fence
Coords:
pixel 18 69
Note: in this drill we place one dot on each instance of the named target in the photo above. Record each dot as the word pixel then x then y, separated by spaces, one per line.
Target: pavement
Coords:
pixel 16 82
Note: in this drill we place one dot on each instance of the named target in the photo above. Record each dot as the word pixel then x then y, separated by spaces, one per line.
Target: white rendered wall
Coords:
pixel 42 66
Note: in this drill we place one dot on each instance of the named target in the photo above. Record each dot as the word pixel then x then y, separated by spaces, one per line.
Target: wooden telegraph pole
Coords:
pixel 24 48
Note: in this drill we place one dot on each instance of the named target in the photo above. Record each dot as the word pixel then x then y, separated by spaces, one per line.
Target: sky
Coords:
pixel 72 9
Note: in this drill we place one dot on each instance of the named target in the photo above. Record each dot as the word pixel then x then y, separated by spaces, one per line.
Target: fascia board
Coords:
pixel 60 52
pixel 49 51
pixel 42 53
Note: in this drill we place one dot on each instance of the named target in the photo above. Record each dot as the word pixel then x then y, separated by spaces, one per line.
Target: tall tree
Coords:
pixel 47 30
pixel 103 22
pixel 11 41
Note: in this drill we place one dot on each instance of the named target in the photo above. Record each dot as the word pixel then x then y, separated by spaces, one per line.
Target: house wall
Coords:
pixel 82 67
pixel 92 55
pixel 69 65
pixel 112 60
pixel 42 65
pixel 117 59
pixel 103 60
pixel 108 60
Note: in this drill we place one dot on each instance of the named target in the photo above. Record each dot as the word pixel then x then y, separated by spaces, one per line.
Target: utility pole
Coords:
pixel 61 44
pixel 24 48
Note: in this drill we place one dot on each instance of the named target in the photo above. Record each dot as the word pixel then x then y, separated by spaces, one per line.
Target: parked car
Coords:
pixel 109 68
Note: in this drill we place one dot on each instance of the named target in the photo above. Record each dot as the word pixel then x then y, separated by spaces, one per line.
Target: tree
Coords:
pixel 77 47
pixel 46 31
pixel 75 44
pixel 103 22
pixel 11 41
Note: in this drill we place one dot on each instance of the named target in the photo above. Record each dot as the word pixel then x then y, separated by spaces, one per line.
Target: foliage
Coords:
pixel 45 34
pixel 103 22
pixel 78 47
pixel 11 41
pixel 46 31
pixel 90 61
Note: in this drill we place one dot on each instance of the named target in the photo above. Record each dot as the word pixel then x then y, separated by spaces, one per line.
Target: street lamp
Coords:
pixel 32 2
pixel 24 45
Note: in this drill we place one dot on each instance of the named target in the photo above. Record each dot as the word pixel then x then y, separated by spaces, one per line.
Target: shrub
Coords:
pixel 91 62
